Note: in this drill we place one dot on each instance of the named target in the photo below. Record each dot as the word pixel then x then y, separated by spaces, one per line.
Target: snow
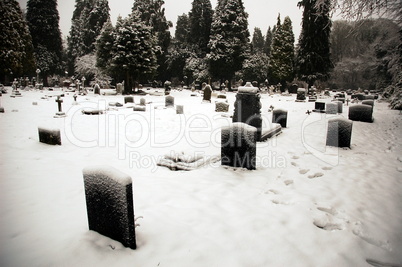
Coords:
pixel 305 204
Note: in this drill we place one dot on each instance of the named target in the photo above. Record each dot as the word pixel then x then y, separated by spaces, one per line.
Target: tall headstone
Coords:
pixel 110 206
pixel 339 132
pixel 179 109
pixel 119 88
pixel 97 89
pixel 142 101
pixel 361 112
pixel 207 93
pixel 49 136
pixel 238 146
pixel 247 107
pixel 340 106
pixel 169 101
pixel 280 116
pixel 60 113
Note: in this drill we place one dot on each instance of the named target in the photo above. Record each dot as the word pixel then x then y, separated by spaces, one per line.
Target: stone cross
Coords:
pixel 59 101
pixel 75 97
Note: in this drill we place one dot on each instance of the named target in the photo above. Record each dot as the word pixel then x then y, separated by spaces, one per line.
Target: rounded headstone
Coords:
pixel 280 116
pixel 368 102
pixel 361 112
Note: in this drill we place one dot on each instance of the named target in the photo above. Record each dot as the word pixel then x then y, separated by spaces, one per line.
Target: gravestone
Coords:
pixel 280 116
pixel 247 107
pixel 359 96
pixel 207 93
pixel 90 111
pixel 179 109
pixel 75 100
pixel 97 89
pixel 339 132
pixel 301 94
pixel 140 108
pixel 368 102
pixel 340 106
pixel 142 101
pixel 312 98
pixel 221 106
pixel 342 99
pixel 119 88
pixel 110 206
pixel 169 101
pixel 361 112
pixel 369 97
pixel 128 99
pixel 49 136
pixel 238 146
pixel 1 108
pixel 221 96
pixel 60 113
pixel 319 107
pixel 331 108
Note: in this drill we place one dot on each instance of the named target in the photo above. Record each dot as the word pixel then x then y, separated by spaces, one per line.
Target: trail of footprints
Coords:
pixel 305 171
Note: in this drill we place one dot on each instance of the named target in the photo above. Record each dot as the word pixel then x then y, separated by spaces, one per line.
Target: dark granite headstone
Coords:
pixel 319 106
pixel 128 99
pixel 359 96
pixel 301 94
pixel 368 102
pixel 207 93
pixel 238 146
pixel 139 108
pixel 110 206
pixel 280 116
pixel 361 112
pixel 247 108
pixel 169 101
pixel 339 132
pixel 49 136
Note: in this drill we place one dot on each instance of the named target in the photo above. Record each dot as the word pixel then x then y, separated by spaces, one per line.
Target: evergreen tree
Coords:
pixel 268 42
pixel 133 50
pixel 43 21
pixel 16 50
pixel 87 22
pixel 152 13
pixel 229 43
pixel 282 53
pixel 182 29
pixel 200 18
pixel 104 47
pixel 313 55
pixel 257 43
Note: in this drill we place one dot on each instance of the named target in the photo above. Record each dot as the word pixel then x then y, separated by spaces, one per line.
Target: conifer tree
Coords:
pixel 182 29
pixel 268 42
pixel 133 50
pixel 257 42
pixel 229 43
pixel 200 18
pixel 313 55
pixel 16 49
pixel 104 47
pixel 152 13
pixel 43 22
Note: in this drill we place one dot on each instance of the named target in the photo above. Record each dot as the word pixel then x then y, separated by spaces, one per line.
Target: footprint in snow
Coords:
pixel 288 182
pixel 316 175
pixel 295 157
pixel 294 164
pixel 327 168
pixel 304 171
pixel 327 219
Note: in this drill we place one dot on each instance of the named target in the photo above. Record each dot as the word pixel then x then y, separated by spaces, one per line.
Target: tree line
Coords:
pixel 209 44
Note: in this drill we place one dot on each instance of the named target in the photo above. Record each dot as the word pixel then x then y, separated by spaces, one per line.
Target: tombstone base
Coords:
pixel 319 110
pixel 139 108
pixel 298 100
pixel 92 112
pixel 275 130
pixel 60 115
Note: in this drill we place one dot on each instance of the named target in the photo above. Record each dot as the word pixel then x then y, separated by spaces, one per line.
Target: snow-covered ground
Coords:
pixel 304 205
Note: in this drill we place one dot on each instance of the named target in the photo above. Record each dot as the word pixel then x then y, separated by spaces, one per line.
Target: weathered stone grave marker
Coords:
pixel 331 108
pixel 169 101
pixel 361 112
pixel 140 108
pixel 340 105
pixel 179 109
pixel 49 136
pixel 221 106
pixel 319 107
pixel 207 93
pixel 119 88
pixel 142 101
pixel 280 116
pixel 97 89
pixel 60 113
pixel 301 95
pixel 75 100
pixel 247 107
pixel 110 206
pixel 339 132
pixel 238 146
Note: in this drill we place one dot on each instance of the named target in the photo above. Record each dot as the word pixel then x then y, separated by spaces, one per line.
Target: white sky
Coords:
pixel 262 13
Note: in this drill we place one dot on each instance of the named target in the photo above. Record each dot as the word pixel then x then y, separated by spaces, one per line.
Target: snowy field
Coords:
pixel 305 205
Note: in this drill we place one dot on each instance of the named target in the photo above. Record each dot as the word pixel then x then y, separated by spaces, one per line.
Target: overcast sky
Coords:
pixel 262 13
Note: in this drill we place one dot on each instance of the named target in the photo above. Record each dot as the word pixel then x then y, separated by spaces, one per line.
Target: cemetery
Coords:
pixel 200 133
pixel 183 179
